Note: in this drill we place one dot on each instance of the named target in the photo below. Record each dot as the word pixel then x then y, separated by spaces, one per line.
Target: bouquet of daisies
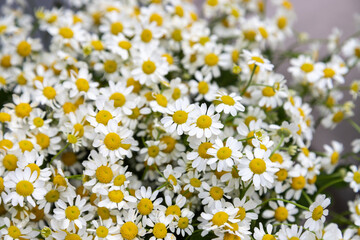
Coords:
pixel 154 119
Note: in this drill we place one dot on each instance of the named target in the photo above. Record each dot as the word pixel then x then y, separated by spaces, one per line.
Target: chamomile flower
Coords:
pixel 317 213
pixel 229 103
pixel 258 168
pixel 147 204
pixel 204 122
pixel 332 158
pixel 353 178
pixel 23 186
pixel 304 68
pixel 256 58
pixel 104 230
pixel 81 84
pixel 179 116
pixel 225 155
pixel 117 198
pixel 281 212
pixel 295 232
pixel 203 87
pixel 13 231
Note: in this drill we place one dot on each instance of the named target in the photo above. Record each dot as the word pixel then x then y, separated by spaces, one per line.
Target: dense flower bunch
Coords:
pixel 143 120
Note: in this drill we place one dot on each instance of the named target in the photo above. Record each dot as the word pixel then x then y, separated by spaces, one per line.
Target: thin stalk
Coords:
pixel 52 159
pixel 284 200
pixel 250 80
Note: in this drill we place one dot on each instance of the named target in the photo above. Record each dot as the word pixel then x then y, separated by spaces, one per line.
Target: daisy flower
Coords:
pixel 317 213
pixel 159 227
pixel 11 231
pixel 34 161
pixel 104 230
pixel 80 84
pixel 117 197
pixel 229 103
pixel 203 87
pixel 246 209
pixel 115 141
pixel 211 193
pixel 260 233
pixel 179 116
pixel 153 153
pixel 226 155
pixel 147 204
pixel 131 226
pixel 295 232
pixel 353 178
pixel 23 185
pixel 192 181
pixel 304 68
pixel 258 167
pixel 183 225
pixel 256 58
pixel 204 122
pixel 280 212
pixel 332 158
pixel 103 114
pixel 70 213
pixel 214 59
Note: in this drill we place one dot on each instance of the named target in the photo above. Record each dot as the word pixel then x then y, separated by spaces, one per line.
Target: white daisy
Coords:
pixel 317 213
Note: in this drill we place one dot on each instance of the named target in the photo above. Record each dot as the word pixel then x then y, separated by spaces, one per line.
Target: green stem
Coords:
pixel 160 187
pixel 308 199
pixel 278 146
pixel 2 227
pixel 250 80
pixel 329 185
pixel 284 200
pixel 245 139
pixel 52 159
pixel 354 124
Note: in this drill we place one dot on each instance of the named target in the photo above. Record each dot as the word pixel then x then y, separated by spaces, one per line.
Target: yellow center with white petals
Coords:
pixel 110 66
pixel 334 158
pixel 34 168
pixel 224 153
pixel 10 162
pixel 328 73
pixel 146 35
pixel 119 180
pixel 52 196
pixel 119 99
pixel 14 232
pixel 125 45
pixel 23 110
pixel 145 206
pixel 257 166
pixel 202 149
pixel 307 67
pixel 129 230
pixel 298 183
pixel 203 87
pixel 268 92
pixel 153 151
pixel 72 213
pixel 183 222
pixel 26 145
pixel 82 85
pixel 281 214
pixel 268 237
pixel 49 92
pixel 72 236
pixel 276 157
pixel 112 141
pixel 281 175
pixel 148 67
pixel 195 182
pixel 116 28
pixel 241 214
pixel 204 121
pixel 180 117
pixel 220 218
pixel 24 49
pixel 173 210
pixel 116 196
pixel 38 122
pixel 97 45
pixel 356 177
pixel 338 117
pixel 43 140
pixel 228 100
pixel 102 231
pixel 24 188
pixel 103 117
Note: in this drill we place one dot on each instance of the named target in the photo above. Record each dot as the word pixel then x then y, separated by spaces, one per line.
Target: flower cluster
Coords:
pixel 143 120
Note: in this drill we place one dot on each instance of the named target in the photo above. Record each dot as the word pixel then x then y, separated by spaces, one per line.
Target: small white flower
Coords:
pixel 317 214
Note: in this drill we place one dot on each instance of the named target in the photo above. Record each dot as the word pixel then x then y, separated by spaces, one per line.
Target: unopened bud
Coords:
pixel 236 69
pixel 292 150
pixel 45 232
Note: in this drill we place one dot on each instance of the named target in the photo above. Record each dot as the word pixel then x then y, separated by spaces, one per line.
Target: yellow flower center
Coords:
pixel 180 117
pixel 161 100
pixel 112 141
pixel 268 92
pixel 211 59
pixel 216 193
pixel 6 61
pixel 202 149
pixel 82 84
pixel 97 45
pixel 72 138
pixel 281 175
pixel 328 73
pixel 21 80
pixel 119 180
pixel 334 158
pixel 49 92
pixel 66 32
pixel 172 179
pixel 116 196
pixel 103 212
pixel 195 182
pixel 110 66
pixel 23 110
pixel 282 22
pixel 220 218
pixel 24 188
pixel 69 107
pixel 183 222
pixel 24 49
pixel 125 45
pixel 72 213
pixel 156 18
pixel 257 59
pixel 145 206
pixel 153 151
pixel 34 167
pixel 356 177
pixel 102 231
pixel 52 196
pixel 173 210
pixel 79 129
pixel 357 52
pixel 10 162
pixel 135 113
pixel 224 153
pixel 43 140
pixel 116 28
pixel 263 32
pixel 228 100
pixel 203 88
pixel 119 99
pixel 160 230
pixel 241 214
pixel 298 183
pixel 281 214
pixel 204 121
pixel 179 11
pixel 257 166
pixel 72 236
pixel 276 157
pixel 103 116
pixel 338 117
pixel 38 122
pixel 26 145
pixel 230 236
pixel 148 67
pixel 129 230
pixel 14 232
pixel 212 3
pixel 104 174
pixel 59 180
pixel 176 35
pixel 307 67
pixel 2 187
pixel 170 144
pixel 268 237
pixel 294 238
pixel 317 213
pixel 168 58
pixel 5 117
pixel 146 35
